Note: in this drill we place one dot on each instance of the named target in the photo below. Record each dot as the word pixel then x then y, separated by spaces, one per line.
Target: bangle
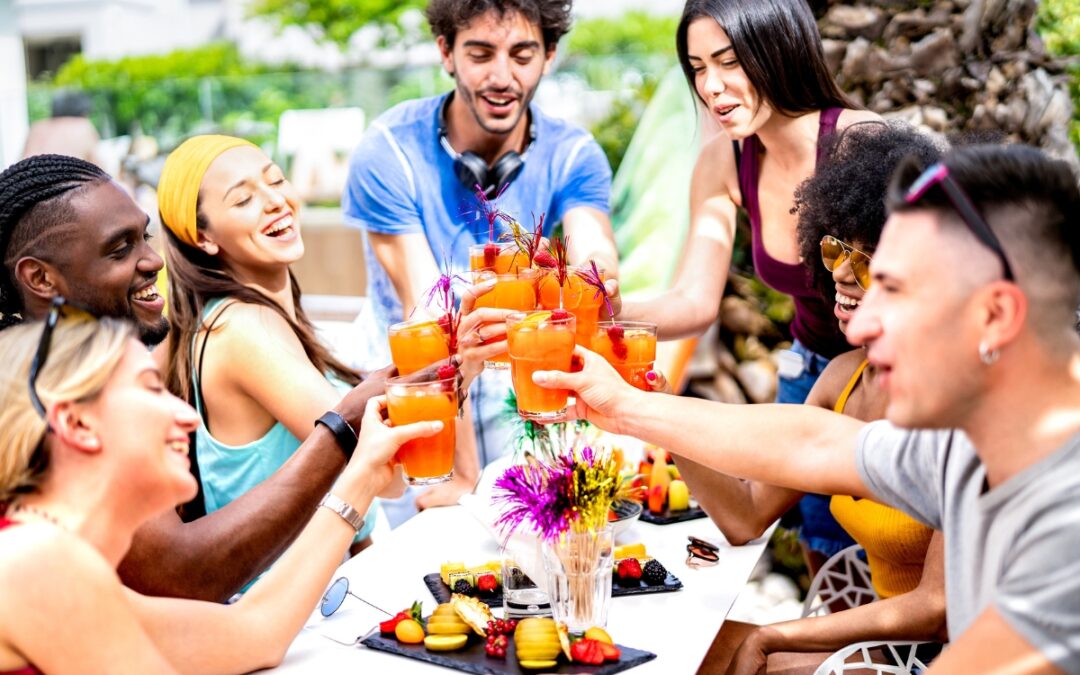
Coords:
pixel 343 432
pixel 343 509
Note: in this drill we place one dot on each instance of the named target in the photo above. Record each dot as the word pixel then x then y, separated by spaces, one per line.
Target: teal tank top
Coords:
pixel 229 471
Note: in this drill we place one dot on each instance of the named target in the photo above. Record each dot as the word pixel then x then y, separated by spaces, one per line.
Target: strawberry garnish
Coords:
pixel 610 652
pixel 491 254
pixel 545 260
pixel 446 371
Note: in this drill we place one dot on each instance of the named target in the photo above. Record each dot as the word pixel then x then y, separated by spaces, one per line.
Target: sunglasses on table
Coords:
pixel 701 553
pixel 938 174
pixel 58 309
pixel 834 252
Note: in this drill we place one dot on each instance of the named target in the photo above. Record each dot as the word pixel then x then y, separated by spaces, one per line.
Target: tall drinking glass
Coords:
pixel 540 341
pixel 499 258
pixel 577 297
pixel 430 460
pixel 629 346
pixel 516 291
pixel 417 344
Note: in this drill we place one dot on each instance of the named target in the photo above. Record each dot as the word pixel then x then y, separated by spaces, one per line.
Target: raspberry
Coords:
pixel 559 315
pixel 491 255
pixel 444 322
pixel 618 346
pixel 446 371
pixel 654 573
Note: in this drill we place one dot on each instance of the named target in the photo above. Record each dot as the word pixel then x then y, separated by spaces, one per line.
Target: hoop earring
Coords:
pixel 988 356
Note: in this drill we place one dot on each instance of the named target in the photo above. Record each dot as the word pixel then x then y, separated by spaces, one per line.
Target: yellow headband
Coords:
pixel 178 189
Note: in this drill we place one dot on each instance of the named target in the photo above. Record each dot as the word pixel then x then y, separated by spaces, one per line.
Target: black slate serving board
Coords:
pixel 473 659
pixel 441 592
pixel 667 517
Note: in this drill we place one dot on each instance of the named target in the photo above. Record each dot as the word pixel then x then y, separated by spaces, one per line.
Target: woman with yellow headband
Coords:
pixel 261 377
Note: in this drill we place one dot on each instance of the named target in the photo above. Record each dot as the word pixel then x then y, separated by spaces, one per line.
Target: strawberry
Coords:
pixel 559 314
pixel 610 652
pixel 487 583
pixel 546 260
pixel 628 570
pixel 618 347
pixel 491 255
pixel 587 651
pixel 446 371
pixel 390 624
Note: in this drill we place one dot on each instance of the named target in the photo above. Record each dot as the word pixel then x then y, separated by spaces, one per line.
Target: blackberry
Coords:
pixel 653 573
pixel 463 587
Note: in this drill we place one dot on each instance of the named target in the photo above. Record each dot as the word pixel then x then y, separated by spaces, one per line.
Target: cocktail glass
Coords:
pixel 629 346
pixel 578 297
pixel 426 461
pixel 499 258
pixel 417 344
pixel 515 291
pixel 540 340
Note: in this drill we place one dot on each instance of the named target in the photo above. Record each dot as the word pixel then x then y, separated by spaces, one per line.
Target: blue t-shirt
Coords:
pixel 401 181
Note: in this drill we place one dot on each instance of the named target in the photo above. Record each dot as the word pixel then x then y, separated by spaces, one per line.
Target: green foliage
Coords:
pixel 632 33
pixel 1058 24
pixel 333 20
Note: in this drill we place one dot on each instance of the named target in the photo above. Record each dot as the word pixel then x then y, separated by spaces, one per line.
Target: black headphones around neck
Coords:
pixel 471 169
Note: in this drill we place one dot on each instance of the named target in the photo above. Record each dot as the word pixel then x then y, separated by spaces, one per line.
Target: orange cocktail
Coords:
pixel 417 344
pixel 516 291
pixel 629 346
pixel 540 341
pixel 498 258
pixel 579 297
pixel 430 460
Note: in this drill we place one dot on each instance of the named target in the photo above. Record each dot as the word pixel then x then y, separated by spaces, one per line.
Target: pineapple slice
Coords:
pixel 473 612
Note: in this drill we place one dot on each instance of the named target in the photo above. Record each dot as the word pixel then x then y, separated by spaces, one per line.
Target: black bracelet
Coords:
pixel 343 432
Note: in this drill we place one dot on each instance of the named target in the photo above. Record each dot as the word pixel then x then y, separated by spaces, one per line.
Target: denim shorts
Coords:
pixel 799 370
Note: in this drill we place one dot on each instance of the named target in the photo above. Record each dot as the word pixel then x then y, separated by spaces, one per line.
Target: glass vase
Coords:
pixel 578 566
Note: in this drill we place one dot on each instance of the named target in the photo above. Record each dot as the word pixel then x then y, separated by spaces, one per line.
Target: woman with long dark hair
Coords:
pixel 758 69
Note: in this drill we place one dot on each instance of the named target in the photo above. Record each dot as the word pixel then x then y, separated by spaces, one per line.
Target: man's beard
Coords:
pixel 151 335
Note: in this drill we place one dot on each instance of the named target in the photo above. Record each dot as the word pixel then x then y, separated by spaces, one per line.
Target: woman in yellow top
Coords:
pixel 841 212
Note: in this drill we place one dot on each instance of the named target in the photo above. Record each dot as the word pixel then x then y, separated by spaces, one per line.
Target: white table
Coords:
pixel 678 627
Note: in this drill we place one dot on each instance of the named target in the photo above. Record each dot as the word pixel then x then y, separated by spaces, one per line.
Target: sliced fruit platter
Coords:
pixel 667 498
pixel 464 635
pixel 485 581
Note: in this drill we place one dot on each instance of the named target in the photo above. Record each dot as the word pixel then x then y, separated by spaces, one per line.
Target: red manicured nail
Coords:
pixel 651 376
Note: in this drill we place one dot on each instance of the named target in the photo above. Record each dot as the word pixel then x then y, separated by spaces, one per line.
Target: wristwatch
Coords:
pixel 343 509
pixel 343 432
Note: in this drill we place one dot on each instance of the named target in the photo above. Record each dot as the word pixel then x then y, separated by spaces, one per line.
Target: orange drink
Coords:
pixel 629 346
pixel 417 344
pixel 578 297
pixel 539 341
pixel 516 291
pixel 498 258
pixel 430 460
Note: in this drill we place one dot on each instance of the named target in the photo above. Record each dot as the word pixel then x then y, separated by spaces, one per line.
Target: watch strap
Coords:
pixel 343 432
pixel 344 509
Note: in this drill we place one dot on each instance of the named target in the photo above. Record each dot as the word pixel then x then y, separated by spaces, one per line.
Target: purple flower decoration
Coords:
pixel 538 494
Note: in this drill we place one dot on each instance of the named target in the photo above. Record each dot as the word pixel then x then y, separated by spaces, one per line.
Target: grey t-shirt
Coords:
pixel 1015 548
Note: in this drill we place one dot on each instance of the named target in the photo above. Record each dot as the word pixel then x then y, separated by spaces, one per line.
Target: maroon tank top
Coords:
pixel 814 325
pixel 28 670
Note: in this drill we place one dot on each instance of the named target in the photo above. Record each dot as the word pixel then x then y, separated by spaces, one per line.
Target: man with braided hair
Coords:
pixel 47 249
pixel 67 229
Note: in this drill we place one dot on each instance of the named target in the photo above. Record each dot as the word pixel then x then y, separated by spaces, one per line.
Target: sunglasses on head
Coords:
pixel 59 308
pixel 834 252
pixel 938 174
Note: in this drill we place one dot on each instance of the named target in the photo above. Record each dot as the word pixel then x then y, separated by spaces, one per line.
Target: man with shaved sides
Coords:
pixel 67 229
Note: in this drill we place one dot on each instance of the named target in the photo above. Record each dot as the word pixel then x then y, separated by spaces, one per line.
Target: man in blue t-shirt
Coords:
pixel 411 179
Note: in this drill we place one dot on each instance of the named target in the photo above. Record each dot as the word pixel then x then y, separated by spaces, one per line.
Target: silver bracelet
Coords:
pixel 341 507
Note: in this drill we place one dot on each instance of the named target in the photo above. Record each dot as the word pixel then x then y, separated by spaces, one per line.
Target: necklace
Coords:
pixel 19 507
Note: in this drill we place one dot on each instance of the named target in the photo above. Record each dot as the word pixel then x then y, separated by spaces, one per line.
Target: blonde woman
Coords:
pixel 77 478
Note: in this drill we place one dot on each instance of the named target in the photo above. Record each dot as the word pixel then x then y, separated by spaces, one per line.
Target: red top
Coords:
pixel 28 670
pixel 814 324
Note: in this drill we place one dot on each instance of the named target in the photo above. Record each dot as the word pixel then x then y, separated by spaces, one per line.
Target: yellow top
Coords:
pixel 895 543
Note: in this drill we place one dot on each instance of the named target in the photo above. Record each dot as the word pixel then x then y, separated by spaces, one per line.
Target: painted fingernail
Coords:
pixel 651 376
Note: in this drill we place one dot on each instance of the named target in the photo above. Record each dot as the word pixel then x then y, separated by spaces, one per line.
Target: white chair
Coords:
pixel 844 578
pixel 844 582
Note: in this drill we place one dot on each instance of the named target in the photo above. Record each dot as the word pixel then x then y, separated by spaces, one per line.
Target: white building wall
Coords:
pixel 13 118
